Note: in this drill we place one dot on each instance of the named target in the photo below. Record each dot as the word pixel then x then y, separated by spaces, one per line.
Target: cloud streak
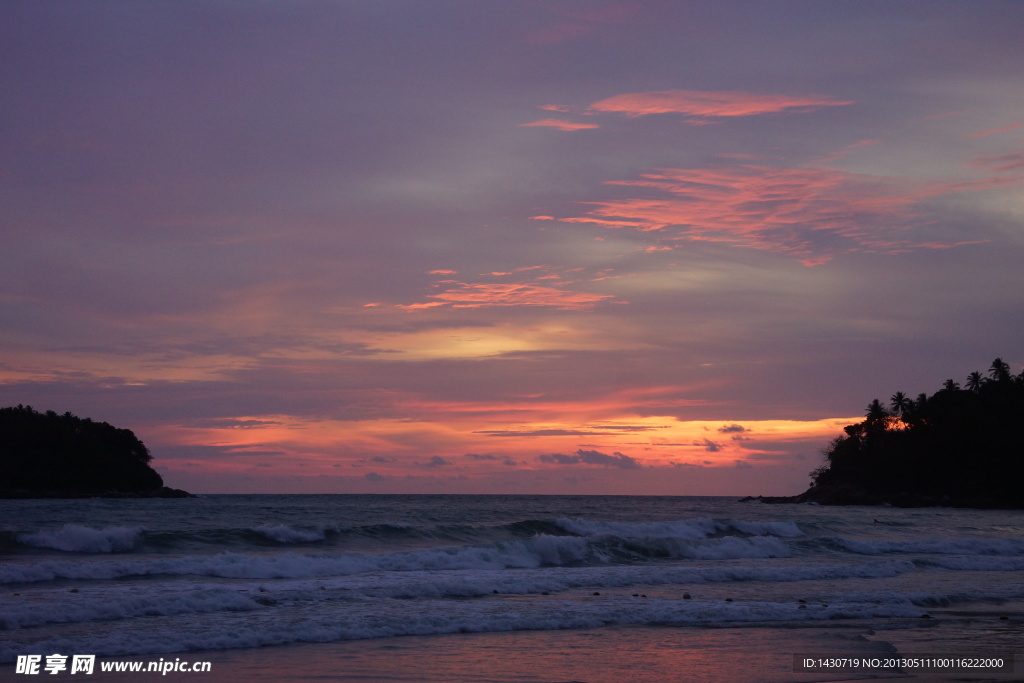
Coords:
pixel 808 213
pixel 592 458
pixel 983 133
pixel 594 431
pixel 501 294
pixel 560 124
pixel 705 105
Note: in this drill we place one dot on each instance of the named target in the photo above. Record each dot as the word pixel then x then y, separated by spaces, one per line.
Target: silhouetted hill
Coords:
pixel 46 455
pixel 956 448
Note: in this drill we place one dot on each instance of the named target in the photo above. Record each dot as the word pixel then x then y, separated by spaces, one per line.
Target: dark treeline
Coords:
pixel 46 454
pixel 958 446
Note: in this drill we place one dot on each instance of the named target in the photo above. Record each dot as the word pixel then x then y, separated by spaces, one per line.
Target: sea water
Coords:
pixel 124 577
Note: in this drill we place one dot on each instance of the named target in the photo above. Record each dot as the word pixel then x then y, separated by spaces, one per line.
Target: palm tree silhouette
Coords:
pixel 900 403
pixel 974 381
pixel 877 417
pixel 952 446
pixel 999 371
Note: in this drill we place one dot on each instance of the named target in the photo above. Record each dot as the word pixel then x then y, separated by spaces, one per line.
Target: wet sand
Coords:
pixel 602 655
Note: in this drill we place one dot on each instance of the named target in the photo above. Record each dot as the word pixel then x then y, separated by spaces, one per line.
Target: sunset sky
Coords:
pixel 662 247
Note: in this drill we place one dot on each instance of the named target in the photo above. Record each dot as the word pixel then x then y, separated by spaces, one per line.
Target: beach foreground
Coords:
pixel 506 588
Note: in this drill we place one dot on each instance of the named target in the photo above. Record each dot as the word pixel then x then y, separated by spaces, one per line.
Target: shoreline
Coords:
pixel 849 495
pixel 162 492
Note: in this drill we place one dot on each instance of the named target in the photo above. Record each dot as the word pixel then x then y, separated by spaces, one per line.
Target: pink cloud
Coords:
pixel 797 211
pixel 995 130
pixel 560 124
pixel 711 104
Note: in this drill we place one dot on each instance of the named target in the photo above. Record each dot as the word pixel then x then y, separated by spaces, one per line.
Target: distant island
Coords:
pixel 46 455
pixel 959 447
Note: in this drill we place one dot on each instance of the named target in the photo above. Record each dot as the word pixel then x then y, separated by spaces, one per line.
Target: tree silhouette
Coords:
pixel 953 447
pixel 900 404
pixel 974 381
pixel 999 371
pixel 67 455
pixel 876 412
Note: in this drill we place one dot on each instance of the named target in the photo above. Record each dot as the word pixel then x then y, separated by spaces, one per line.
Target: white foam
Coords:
pixel 539 551
pixel 82 539
pixel 534 552
pixel 108 602
pixel 334 621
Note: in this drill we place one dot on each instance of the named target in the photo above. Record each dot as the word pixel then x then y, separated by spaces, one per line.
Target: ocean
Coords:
pixel 491 587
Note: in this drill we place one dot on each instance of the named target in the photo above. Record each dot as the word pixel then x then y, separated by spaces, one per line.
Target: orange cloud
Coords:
pixel 561 125
pixel 481 295
pixel 796 211
pixel 710 104
pixel 535 289
pixel 427 304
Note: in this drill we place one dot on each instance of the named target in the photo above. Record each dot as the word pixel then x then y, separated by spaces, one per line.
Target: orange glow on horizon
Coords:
pixel 471 444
